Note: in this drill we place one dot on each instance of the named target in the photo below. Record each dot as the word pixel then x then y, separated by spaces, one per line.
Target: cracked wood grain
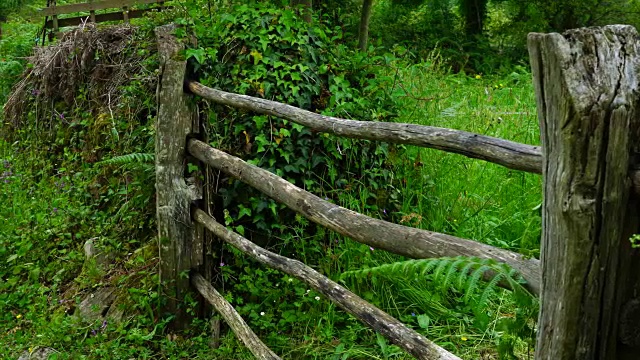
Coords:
pixel 179 249
pixel 586 84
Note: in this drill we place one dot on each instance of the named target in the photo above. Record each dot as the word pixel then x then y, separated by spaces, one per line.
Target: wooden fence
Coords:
pixel 586 84
pixel 124 13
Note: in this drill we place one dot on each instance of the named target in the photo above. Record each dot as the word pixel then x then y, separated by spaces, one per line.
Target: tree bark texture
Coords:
pixel 398 239
pixel 365 16
pixel 180 250
pixel 233 319
pixel 586 84
pixel 507 153
pixel 406 338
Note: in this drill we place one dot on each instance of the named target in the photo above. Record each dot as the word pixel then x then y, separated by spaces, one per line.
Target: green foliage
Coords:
pixel 635 241
pixel 59 199
pixel 428 27
pixel 134 158
pixel 9 6
pixel 464 276
pixel 15 45
pixel 485 36
pixel 265 51
pixel 68 181
pixel 461 272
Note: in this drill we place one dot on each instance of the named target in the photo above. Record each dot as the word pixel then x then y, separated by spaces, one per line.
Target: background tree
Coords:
pixel 474 13
pixel 363 35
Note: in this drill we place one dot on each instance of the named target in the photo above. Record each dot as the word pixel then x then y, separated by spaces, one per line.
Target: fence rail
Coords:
pixel 506 153
pixel 93 6
pixel 401 335
pixel 398 239
pixel 231 316
pixel 177 245
pixel 590 133
pixel 125 13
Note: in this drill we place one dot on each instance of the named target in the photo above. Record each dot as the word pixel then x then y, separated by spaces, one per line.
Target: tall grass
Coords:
pixel 466 197
pixel 456 195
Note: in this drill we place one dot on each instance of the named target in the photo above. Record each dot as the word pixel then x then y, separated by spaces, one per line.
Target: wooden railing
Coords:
pixel 124 13
pixel 590 135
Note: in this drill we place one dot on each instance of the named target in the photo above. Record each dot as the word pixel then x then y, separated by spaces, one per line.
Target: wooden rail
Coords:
pixel 507 153
pixel 125 13
pixel 93 6
pixel 401 335
pixel 231 316
pixel 380 234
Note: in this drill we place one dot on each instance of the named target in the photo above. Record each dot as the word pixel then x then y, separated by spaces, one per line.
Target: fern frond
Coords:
pixel 453 269
pixel 442 266
pixel 491 287
pixel 472 283
pixel 139 158
pixel 465 273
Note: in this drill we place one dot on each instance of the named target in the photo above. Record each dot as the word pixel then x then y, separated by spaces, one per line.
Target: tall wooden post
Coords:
pixel 587 91
pixel 92 13
pixel 125 14
pixel 179 243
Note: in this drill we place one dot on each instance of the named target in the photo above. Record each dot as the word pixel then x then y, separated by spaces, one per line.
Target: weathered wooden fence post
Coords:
pixel 586 83
pixel 180 245
pixel 92 13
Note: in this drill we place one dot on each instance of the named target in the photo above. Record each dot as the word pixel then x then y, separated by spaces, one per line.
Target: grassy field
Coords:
pixel 456 195
pixel 44 221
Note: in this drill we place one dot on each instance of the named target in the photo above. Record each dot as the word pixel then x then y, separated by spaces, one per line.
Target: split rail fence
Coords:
pixel 586 84
pixel 125 12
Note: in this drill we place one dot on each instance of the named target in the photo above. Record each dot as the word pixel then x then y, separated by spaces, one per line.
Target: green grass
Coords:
pixel 466 197
pixel 456 195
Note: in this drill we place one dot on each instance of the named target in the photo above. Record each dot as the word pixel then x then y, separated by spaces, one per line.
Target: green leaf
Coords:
pixel 244 211
pixel 257 56
pixel 260 121
pixel 423 321
pixel 198 54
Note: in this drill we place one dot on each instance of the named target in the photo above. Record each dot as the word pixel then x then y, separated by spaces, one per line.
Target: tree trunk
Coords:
pixel 586 84
pixel 363 36
pixel 475 13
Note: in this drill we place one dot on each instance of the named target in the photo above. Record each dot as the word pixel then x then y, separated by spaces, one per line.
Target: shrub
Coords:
pixel 266 51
